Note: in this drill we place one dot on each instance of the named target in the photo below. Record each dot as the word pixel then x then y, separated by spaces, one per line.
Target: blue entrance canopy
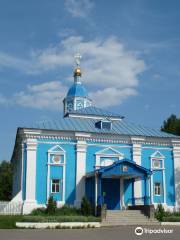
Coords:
pixel 124 168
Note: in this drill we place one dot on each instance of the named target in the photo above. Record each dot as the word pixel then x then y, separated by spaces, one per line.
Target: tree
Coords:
pixel 171 125
pixel 5 181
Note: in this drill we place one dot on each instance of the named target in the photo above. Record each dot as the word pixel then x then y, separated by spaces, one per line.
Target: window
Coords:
pixel 104 124
pixel 124 168
pixel 157 188
pixel 55 186
pixel 57 159
pixel 156 163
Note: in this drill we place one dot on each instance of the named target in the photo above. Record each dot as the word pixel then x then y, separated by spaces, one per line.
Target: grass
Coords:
pixel 55 218
pixel 63 211
pixel 171 219
pixel 9 222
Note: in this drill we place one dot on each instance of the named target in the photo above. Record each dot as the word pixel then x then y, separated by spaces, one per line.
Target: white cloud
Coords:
pixel 48 95
pixel 79 8
pixel 111 96
pixel 110 72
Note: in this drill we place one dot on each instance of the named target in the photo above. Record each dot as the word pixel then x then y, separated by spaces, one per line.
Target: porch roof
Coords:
pixel 122 168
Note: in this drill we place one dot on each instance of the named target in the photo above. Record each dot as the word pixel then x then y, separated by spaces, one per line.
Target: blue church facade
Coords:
pixel 94 153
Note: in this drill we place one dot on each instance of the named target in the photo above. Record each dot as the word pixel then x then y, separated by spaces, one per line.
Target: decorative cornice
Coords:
pixel 175 143
pixel 31 144
pixel 95 137
pixel 81 146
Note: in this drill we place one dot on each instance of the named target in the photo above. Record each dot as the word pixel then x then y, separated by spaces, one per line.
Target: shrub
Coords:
pixel 171 219
pixel 68 211
pixel 51 206
pixel 38 211
pixel 160 213
pixel 86 208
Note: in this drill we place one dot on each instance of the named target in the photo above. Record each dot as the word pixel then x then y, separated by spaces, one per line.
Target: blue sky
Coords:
pixel 130 59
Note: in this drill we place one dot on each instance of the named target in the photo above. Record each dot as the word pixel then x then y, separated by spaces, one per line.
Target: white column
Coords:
pixel 30 202
pixel 121 193
pixel 176 155
pixel 136 154
pixel 96 192
pixel 80 171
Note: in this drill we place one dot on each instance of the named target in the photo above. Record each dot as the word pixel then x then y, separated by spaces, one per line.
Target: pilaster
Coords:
pixel 136 156
pixel 30 202
pixel 176 155
pixel 80 171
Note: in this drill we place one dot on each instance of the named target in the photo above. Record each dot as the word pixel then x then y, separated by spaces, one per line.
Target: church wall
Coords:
pixel 90 189
pixel 41 171
pixel 24 173
pixel 166 179
pixel 92 149
pixel 17 173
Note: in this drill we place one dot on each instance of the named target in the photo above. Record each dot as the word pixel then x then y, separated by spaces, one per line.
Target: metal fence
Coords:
pixel 10 208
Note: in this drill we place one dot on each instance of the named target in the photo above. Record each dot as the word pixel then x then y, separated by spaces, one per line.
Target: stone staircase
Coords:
pixel 127 217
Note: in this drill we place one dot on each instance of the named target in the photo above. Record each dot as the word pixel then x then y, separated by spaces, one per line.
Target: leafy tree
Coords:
pixel 172 125
pixel 160 213
pixel 86 208
pixel 5 181
pixel 51 206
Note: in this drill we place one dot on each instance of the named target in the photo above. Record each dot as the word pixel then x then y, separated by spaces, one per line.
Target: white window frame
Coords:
pixel 56 184
pixel 57 155
pixel 158 189
pixel 56 150
pixel 102 154
pixel 157 160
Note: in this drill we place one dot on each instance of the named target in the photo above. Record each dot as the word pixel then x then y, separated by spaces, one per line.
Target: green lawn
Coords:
pixel 10 221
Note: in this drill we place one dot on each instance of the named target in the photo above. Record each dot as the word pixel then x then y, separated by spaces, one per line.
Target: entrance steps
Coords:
pixel 127 217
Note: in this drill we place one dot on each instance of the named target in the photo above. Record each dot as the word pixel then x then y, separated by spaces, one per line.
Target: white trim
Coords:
pixel 53 150
pixel 121 193
pixel 61 152
pixel 97 117
pixel 95 137
pixel 96 192
pixel 136 156
pixel 31 147
pixel 176 154
pixel 116 152
pixel 102 153
pixel 81 149
pixel 151 189
pixel 155 155
pixel 22 170
pixel 158 149
pixel 161 163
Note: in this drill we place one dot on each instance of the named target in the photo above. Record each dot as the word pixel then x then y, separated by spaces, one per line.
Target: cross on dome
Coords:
pixel 77 59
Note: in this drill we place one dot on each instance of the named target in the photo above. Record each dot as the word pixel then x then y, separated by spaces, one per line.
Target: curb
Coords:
pixel 171 223
pixel 58 225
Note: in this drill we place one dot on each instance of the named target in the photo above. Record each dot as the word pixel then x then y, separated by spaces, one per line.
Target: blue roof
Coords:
pixel 121 127
pixel 94 111
pixel 77 90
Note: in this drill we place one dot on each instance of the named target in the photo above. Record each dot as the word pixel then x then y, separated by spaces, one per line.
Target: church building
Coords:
pixel 95 153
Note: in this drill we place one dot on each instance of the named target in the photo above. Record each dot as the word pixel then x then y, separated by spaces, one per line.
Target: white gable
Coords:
pixel 56 148
pixel 157 154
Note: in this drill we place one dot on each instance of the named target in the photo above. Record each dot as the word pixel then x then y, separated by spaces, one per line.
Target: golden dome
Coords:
pixel 77 72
